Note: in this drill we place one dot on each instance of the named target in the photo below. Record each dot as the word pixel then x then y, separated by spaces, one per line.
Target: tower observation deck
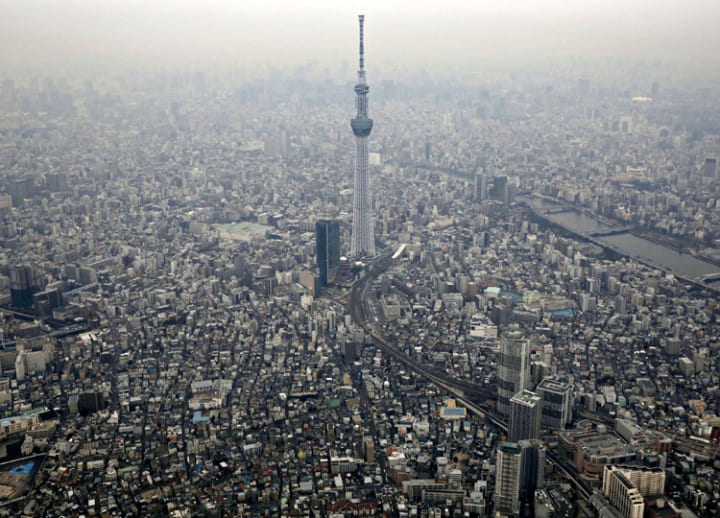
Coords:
pixel 363 235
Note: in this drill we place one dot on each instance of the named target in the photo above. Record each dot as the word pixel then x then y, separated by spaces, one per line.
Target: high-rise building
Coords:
pixel 56 182
pixel 22 286
pixel 327 248
pixel 363 235
pixel 532 467
pixel 480 187
pixel 46 301
pixel 369 449
pixel 507 478
pixel 20 189
pixel 277 145
pixel 710 167
pixel 649 481
pixel 625 487
pixel 498 189
pixel 86 403
pixel 525 408
pixel 557 403
pixel 508 195
pixel 513 368
pixel 349 350
pixel 29 362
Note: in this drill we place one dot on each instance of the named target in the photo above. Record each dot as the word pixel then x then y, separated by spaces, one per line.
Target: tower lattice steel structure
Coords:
pixel 363 236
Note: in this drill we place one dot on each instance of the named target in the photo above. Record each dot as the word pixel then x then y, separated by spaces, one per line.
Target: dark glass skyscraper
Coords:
pixel 557 403
pixel 327 247
pixel 22 286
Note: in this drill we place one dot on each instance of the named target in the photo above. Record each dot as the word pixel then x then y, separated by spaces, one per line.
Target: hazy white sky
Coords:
pixel 422 33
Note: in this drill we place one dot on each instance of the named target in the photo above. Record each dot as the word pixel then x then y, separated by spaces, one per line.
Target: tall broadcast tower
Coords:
pixel 363 236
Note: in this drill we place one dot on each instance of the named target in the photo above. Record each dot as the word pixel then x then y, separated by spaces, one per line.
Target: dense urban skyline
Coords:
pixel 533 326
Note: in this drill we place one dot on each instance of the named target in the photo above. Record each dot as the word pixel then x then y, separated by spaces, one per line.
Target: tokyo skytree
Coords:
pixel 363 235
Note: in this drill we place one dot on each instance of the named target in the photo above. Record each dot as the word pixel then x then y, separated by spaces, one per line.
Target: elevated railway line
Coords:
pixel 473 396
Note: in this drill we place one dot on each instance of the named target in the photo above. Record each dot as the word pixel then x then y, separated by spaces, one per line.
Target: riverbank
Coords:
pixel 540 203
pixel 673 244
pixel 684 266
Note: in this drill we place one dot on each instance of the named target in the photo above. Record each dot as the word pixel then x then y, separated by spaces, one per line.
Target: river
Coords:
pixel 628 244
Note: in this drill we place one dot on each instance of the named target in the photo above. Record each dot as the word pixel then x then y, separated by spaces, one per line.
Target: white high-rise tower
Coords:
pixel 363 235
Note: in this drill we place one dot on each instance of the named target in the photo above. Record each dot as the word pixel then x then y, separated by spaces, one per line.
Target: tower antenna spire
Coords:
pixel 361 19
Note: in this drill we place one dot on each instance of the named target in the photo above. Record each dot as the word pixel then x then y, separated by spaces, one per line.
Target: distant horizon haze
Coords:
pixel 50 35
